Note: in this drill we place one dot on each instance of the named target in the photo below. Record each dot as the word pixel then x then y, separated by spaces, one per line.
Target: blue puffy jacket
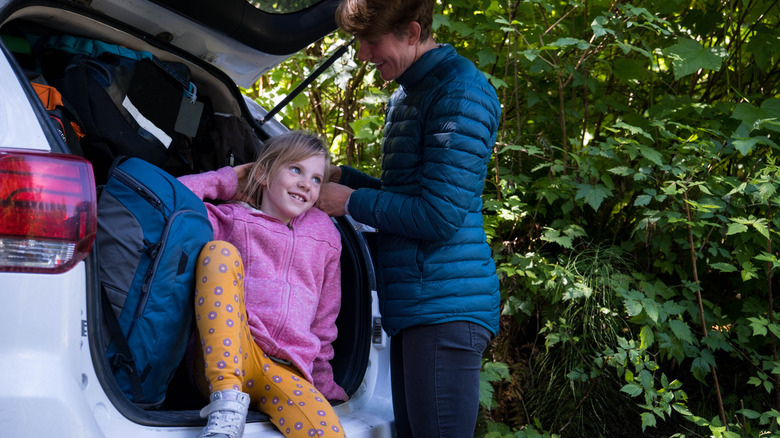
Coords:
pixel 434 263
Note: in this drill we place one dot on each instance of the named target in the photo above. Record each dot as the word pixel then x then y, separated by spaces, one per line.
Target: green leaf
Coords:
pixel 652 308
pixel 745 145
pixel 688 56
pixel 673 309
pixel 735 228
pixel 486 394
pixel 491 372
pixel 552 235
pixel 775 329
pixel 724 267
pixel 648 420
pixel 567 42
pixel 593 194
pixel 681 330
pixel 646 379
pixel 748 271
pixel 768 415
pixel 577 290
pixel 634 130
pixel 632 389
pixel 682 409
pixel 748 114
pixel 622 171
pixel 633 307
pixel 646 337
pixel 699 368
pixel 486 57
pixel 494 371
pixel 599 30
pixel 651 154
pixel 766 191
pixel 752 116
pixel 760 226
pixel 749 413
pixel 642 200
pixel 759 325
pixel 578 375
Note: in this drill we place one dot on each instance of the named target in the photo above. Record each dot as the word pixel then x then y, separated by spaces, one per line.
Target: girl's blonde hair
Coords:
pixel 290 147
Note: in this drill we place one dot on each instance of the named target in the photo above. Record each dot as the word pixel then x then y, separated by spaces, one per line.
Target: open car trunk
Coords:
pixel 219 97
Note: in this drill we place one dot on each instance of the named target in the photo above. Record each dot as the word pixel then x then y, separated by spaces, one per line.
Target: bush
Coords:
pixel 630 205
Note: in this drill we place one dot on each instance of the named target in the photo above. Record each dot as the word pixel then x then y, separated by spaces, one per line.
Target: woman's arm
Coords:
pixel 457 140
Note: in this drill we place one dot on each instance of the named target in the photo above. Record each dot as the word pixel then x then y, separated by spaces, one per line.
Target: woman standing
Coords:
pixel 439 292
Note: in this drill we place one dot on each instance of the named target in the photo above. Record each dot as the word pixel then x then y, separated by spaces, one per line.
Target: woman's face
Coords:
pixel 294 188
pixel 391 55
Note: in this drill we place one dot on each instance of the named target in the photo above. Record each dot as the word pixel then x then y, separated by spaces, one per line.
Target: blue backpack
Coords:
pixel 151 229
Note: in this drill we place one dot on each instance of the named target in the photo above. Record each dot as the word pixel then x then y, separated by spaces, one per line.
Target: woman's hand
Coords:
pixel 333 198
pixel 335 173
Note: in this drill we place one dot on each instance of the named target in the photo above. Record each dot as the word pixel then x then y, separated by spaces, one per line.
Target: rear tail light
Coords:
pixel 48 211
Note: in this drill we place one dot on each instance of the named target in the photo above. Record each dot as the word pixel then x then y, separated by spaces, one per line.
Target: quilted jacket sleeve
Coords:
pixel 457 136
pixel 355 179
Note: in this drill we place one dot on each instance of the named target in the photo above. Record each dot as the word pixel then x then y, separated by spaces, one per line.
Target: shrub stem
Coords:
pixel 701 306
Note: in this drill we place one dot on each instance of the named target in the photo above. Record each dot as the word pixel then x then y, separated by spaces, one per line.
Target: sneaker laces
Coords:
pixel 225 418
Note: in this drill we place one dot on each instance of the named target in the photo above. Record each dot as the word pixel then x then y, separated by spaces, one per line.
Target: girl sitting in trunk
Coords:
pixel 268 291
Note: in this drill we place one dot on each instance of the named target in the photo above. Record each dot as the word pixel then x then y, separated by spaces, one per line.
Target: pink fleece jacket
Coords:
pixel 292 281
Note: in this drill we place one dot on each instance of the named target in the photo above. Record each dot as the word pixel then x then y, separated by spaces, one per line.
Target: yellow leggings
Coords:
pixel 233 360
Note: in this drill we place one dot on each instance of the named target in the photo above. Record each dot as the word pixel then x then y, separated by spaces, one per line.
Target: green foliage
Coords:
pixel 631 207
pixel 649 131
pixel 491 372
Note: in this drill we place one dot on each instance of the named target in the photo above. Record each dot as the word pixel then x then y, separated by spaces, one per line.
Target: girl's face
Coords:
pixel 293 189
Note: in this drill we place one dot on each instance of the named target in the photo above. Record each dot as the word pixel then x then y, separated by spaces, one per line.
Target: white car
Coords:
pixel 55 380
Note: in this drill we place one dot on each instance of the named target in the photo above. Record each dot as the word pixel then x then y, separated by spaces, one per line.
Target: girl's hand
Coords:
pixel 242 172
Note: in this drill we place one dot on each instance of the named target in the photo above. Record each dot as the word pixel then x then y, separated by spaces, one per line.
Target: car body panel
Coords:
pixel 243 64
pixel 19 125
pixel 241 50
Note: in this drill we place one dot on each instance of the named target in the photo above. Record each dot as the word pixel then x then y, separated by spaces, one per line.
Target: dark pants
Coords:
pixel 435 379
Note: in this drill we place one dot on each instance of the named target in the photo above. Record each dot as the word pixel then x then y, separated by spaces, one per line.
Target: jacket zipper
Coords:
pixel 287 263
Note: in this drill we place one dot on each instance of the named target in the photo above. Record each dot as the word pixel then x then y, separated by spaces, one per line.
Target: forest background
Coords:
pixel 631 205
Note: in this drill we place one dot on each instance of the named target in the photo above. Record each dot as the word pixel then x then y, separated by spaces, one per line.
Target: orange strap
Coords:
pixel 77 129
pixel 50 97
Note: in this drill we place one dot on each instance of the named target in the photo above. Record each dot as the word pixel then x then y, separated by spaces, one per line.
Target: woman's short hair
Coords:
pixel 289 147
pixel 367 18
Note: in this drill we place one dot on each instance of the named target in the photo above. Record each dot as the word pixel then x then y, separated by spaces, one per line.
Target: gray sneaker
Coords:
pixel 226 414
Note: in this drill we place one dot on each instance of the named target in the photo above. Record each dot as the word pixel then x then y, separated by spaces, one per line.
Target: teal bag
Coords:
pixel 151 229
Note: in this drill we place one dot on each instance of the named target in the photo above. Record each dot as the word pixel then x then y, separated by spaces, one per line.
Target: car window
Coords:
pixel 282 6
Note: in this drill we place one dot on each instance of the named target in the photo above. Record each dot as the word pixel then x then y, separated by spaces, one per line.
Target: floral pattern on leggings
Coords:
pixel 233 360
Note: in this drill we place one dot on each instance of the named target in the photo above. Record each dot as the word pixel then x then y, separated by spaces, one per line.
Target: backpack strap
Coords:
pixel 124 358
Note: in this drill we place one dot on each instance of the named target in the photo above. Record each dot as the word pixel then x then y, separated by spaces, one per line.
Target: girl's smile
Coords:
pixel 294 188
